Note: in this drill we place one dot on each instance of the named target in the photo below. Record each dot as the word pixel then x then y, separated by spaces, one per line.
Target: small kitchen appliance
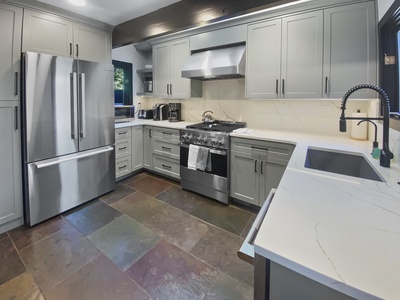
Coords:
pixel 145 114
pixel 160 112
pixel 174 112
pixel 124 112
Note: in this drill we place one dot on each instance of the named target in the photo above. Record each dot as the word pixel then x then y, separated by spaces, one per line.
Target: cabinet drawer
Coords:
pixel 122 133
pixel 166 134
pixel 123 166
pixel 166 166
pixel 169 149
pixel 123 148
pixel 273 150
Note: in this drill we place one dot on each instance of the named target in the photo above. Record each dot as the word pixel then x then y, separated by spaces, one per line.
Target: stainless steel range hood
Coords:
pixel 221 63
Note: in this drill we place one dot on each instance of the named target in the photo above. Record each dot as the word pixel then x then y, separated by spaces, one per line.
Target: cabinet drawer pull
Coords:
pixel 123 167
pixel 283 86
pixel 166 148
pixel 16 117
pixel 166 166
pixel 123 148
pixel 70 49
pixel 326 85
pixel 167 133
pixel 149 132
pixel 77 50
pixel 167 89
pixel 255 166
pixel 259 148
pixel 16 84
pixel 170 88
pixel 121 133
pixel 261 170
pixel 276 86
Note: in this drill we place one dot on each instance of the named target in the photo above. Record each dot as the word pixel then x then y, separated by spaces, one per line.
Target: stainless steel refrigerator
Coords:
pixel 68 133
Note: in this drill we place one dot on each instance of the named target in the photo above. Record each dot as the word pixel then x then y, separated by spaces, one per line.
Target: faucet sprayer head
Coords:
pixel 342 125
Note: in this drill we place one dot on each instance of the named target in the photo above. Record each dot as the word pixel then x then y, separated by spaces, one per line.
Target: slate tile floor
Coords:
pixel 148 239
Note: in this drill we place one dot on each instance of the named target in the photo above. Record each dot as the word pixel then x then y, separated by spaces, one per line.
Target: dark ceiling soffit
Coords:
pixel 183 15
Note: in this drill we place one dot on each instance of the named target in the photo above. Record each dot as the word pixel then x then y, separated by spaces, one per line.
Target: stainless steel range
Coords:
pixel 214 181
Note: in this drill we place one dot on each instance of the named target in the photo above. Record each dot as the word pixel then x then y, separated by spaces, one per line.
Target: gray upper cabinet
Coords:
pixel 46 33
pixel 10 49
pixel 302 37
pixel 284 57
pixel 349 49
pixel 10 166
pixel 168 61
pixel 264 60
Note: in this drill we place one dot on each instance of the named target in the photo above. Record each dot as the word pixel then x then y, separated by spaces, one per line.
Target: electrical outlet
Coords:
pixel 326 110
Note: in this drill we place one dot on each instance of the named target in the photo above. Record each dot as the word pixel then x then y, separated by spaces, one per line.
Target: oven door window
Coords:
pixel 219 162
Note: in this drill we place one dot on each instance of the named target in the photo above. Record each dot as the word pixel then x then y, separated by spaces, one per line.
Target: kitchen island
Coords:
pixel 340 231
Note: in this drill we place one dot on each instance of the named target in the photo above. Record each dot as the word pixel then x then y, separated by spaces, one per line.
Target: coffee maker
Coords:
pixel 174 112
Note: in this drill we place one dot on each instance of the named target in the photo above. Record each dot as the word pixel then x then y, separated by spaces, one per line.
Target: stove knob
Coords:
pixel 189 137
pixel 198 139
pixel 221 143
pixel 214 142
pixel 183 137
pixel 204 140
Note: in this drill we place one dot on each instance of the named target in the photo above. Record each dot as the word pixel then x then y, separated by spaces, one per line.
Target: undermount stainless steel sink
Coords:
pixel 350 164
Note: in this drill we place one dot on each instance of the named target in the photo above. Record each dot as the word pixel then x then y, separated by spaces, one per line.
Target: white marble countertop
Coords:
pixel 341 231
pixel 166 124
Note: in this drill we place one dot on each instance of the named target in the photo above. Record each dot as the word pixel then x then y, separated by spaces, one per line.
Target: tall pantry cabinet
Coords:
pixel 10 135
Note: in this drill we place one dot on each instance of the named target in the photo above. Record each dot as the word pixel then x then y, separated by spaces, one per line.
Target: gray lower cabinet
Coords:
pixel 137 148
pixel 123 152
pixel 148 147
pixel 257 167
pixel 10 166
pixel 10 36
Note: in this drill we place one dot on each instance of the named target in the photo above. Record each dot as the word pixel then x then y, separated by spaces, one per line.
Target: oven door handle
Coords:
pixel 213 151
pixel 246 252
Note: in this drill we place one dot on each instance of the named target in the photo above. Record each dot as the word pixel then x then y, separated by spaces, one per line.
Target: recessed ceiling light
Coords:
pixel 78 2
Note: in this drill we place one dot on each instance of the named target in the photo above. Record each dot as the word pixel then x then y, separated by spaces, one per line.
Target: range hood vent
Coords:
pixel 221 63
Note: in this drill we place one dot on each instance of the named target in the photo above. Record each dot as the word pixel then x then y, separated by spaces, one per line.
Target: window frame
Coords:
pixel 128 84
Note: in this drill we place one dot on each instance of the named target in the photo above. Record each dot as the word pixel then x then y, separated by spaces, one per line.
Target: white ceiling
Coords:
pixel 112 12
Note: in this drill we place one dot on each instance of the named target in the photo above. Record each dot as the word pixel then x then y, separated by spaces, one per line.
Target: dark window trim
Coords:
pixel 128 84
pixel 389 74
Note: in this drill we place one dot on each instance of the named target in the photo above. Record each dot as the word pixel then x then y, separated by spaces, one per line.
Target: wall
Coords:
pixel 383 6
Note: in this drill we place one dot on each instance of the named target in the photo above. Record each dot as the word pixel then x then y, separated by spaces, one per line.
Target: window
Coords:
pixel 122 83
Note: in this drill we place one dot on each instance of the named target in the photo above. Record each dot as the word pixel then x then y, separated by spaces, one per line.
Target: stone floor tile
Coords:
pixel 10 263
pixel 247 228
pixel 22 287
pixel 58 256
pixel 139 206
pixel 150 185
pixel 226 217
pixel 100 280
pixel 178 227
pixel 219 249
pixel 132 178
pixel 182 199
pixel 3 235
pixel 169 273
pixel 91 216
pixel 120 192
pixel 227 288
pixel 24 236
pixel 124 241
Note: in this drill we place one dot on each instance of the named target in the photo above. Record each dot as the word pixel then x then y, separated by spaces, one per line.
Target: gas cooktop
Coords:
pixel 219 126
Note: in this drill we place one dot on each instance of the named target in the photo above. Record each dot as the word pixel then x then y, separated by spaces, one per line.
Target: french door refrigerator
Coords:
pixel 68 133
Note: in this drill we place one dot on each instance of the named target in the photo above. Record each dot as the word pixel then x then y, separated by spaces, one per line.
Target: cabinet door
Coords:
pixel 137 148
pixel 270 176
pixel 45 33
pixel 302 55
pixel 245 177
pixel 349 49
pixel 10 49
pixel 162 70
pixel 179 53
pixel 91 43
pixel 263 60
pixel 10 163
pixel 147 147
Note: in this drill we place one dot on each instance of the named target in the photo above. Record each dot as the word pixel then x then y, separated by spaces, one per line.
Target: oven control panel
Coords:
pixel 208 139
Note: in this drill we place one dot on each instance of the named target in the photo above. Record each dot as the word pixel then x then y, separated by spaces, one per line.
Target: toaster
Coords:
pixel 145 114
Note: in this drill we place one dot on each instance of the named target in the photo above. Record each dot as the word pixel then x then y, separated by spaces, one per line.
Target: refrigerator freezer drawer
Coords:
pixel 59 184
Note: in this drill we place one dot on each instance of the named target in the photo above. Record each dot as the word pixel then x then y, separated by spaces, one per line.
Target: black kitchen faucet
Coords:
pixel 386 155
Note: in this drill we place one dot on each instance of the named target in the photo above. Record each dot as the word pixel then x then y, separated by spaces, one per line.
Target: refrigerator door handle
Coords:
pixel 82 105
pixel 41 165
pixel 74 88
